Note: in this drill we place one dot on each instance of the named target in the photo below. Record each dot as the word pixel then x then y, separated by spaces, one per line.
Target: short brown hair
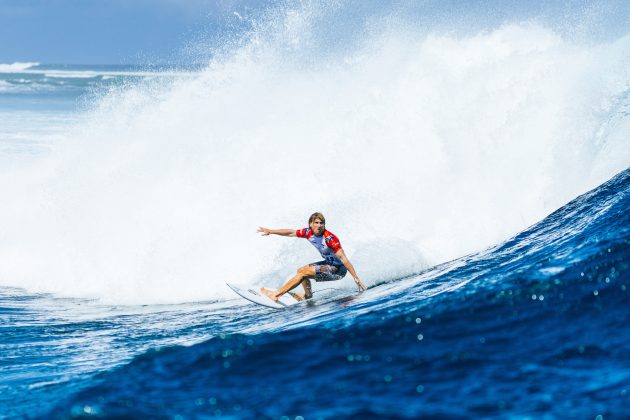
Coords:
pixel 316 215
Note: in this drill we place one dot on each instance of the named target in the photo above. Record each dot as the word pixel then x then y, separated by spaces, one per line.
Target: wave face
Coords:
pixel 535 326
pixel 419 144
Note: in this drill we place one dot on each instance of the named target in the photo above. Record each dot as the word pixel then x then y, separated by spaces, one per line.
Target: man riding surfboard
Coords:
pixel 333 267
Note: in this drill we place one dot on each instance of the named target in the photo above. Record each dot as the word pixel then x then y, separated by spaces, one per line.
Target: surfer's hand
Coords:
pixel 361 285
pixel 263 231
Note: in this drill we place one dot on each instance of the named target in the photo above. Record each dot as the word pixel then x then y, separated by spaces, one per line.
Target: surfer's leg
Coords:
pixel 306 284
pixel 307 291
pixel 304 273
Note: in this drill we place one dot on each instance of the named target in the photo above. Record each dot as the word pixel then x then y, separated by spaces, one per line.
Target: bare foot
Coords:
pixel 270 293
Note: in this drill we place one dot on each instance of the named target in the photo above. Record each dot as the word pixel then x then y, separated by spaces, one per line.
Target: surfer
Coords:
pixel 334 266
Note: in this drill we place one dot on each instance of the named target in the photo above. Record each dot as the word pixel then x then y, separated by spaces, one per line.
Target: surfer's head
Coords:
pixel 317 223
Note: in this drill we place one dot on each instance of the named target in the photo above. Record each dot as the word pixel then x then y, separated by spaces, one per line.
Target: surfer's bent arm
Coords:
pixel 346 262
pixel 282 232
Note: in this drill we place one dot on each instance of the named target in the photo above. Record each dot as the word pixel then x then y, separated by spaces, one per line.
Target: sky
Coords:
pixel 109 31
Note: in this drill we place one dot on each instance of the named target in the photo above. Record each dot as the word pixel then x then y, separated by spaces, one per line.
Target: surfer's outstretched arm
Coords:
pixel 282 232
pixel 342 256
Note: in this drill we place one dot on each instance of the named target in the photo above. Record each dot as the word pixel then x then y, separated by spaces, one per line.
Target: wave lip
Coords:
pixel 17 67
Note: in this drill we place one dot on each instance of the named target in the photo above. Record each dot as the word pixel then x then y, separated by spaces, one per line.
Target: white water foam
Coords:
pixel 417 148
pixel 16 67
pixel 28 68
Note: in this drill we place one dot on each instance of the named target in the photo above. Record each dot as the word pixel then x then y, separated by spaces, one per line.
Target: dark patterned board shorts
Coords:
pixel 327 272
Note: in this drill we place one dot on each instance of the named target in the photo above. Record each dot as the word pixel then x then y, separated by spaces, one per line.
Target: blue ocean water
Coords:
pixel 477 175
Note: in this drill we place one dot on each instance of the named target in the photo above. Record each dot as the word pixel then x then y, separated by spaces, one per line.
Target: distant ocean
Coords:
pixel 478 180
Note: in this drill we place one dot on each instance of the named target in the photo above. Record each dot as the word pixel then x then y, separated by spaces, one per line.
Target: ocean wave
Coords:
pixel 17 67
pixel 510 342
pixel 443 150
pixel 44 85
pixel 79 74
pixel 428 137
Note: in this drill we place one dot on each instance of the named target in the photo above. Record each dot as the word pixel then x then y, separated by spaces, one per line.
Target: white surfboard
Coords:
pixel 253 294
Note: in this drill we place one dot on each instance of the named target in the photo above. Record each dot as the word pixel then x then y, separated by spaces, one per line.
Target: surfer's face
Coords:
pixel 318 227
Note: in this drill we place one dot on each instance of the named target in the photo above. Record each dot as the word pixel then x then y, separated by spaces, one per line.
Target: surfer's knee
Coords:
pixel 304 271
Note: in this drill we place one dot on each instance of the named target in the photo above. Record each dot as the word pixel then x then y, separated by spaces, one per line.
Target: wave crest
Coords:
pixel 17 67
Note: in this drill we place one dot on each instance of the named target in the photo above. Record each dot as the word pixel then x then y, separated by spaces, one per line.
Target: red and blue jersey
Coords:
pixel 327 244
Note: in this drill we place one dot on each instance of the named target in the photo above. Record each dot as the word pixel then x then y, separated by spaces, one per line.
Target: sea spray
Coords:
pixel 419 147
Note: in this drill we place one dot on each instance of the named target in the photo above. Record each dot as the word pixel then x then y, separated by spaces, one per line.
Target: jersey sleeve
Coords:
pixel 302 233
pixel 332 241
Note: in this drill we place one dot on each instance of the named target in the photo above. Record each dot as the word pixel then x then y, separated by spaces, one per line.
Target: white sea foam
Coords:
pixel 71 74
pixel 417 148
pixel 17 86
pixel 28 68
pixel 86 74
pixel 16 67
